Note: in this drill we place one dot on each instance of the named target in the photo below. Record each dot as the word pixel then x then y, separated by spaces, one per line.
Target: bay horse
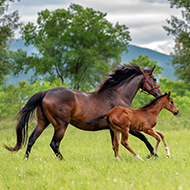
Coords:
pixel 61 106
pixel 122 119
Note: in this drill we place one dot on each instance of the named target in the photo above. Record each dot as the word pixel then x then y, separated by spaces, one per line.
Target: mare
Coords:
pixel 122 119
pixel 61 106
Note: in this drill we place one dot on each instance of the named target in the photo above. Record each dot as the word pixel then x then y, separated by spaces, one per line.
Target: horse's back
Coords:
pixel 64 103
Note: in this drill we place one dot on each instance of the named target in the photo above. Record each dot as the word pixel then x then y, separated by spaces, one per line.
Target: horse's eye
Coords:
pixel 154 80
pixel 172 102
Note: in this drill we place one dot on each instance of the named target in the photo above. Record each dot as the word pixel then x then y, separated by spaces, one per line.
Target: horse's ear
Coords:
pixel 169 93
pixel 152 69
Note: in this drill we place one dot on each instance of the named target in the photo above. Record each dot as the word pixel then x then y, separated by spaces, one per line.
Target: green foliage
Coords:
pixel 143 62
pixel 8 24
pixel 178 88
pixel 180 29
pixel 12 98
pixel 75 45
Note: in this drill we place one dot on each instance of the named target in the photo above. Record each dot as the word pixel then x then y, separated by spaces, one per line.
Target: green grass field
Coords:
pixel 90 163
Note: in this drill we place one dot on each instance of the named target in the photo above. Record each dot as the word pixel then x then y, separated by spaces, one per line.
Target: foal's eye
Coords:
pixel 172 102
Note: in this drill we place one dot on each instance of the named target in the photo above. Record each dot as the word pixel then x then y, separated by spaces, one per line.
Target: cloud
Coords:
pixel 144 18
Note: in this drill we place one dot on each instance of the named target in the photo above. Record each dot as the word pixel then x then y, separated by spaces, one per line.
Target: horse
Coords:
pixel 61 106
pixel 122 119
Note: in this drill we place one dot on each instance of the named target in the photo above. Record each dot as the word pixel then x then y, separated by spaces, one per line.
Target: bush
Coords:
pixel 12 98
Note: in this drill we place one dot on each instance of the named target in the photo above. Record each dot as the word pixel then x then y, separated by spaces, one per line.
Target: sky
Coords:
pixel 145 18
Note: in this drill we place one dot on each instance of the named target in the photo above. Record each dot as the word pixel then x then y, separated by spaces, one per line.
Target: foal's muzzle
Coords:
pixel 176 112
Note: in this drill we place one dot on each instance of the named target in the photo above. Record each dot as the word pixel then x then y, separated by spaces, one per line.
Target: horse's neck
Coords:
pixel 128 90
pixel 157 108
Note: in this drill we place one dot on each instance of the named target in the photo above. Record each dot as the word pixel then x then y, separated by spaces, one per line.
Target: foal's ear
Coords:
pixel 152 69
pixel 169 93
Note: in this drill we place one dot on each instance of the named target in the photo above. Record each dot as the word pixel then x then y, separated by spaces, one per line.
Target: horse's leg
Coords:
pixel 165 145
pixel 42 123
pixel 154 134
pixel 124 142
pixel 58 136
pixel 112 138
pixel 145 140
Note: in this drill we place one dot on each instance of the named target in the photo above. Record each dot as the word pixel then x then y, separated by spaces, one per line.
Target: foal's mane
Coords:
pixel 154 101
pixel 126 72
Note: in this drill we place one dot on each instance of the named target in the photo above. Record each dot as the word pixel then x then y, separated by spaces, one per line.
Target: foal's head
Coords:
pixel 169 105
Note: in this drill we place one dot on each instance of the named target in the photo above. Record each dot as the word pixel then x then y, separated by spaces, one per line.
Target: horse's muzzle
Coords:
pixel 176 112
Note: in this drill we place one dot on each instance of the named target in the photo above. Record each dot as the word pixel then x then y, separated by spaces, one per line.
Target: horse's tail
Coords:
pixel 24 115
pixel 96 119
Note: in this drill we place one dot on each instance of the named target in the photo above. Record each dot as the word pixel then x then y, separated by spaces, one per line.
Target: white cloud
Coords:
pixel 165 46
pixel 144 18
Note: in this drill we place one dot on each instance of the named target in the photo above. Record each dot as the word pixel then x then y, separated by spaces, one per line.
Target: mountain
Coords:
pixel 134 52
pixel 162 60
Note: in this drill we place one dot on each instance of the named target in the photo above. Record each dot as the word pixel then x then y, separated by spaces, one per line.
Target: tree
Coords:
pixel 76 45
pixel 180 29
pixel 143 61
pixel 8 24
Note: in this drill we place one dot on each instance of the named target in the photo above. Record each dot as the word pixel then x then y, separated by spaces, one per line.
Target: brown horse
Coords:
pixel 61 106
pixel 123 119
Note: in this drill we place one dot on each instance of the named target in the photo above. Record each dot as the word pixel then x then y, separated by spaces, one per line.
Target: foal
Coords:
pixel 144 119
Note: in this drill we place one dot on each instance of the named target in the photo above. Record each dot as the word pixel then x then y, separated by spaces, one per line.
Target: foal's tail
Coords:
pixel 96 119
pixel 24 115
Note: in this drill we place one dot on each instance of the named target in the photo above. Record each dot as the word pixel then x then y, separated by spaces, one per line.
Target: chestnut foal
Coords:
pixel 144 119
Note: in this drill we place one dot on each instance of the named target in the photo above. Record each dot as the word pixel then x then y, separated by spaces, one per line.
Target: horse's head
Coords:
pixel 170 106
pixel 150 84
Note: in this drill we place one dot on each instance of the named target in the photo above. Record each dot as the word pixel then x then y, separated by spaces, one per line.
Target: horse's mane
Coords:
pixel 126 72
pixel 154 101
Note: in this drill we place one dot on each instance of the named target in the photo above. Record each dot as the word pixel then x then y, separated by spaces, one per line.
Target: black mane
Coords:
pixel 126 72
pixel 154 101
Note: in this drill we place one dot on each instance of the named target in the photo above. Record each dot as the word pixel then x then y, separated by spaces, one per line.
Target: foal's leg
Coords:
pixel 153 133
pixel 59 132
pixel 165 145
pixel 116 143
pixel 145 140
pixel 124 142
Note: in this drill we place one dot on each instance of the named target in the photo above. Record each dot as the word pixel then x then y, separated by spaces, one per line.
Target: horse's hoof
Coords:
pixel 149 156
pixel 156 156
pixel 60 157
pixel 26 157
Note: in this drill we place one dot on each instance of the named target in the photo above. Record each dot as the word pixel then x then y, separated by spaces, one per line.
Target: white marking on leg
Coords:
pixel 167 151
pixel 137 156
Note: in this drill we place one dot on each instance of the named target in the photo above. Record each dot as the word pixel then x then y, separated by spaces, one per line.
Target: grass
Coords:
pixel 90 163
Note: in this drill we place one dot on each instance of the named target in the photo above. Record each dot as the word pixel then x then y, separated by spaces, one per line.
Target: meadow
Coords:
pixel 90 164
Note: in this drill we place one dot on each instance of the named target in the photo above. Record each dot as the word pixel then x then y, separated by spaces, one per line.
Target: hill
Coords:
pixel 162 60
pixel 134 52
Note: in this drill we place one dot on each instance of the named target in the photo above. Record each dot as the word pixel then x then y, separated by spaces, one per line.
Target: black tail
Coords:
pixel 24 115
pixel 96 119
